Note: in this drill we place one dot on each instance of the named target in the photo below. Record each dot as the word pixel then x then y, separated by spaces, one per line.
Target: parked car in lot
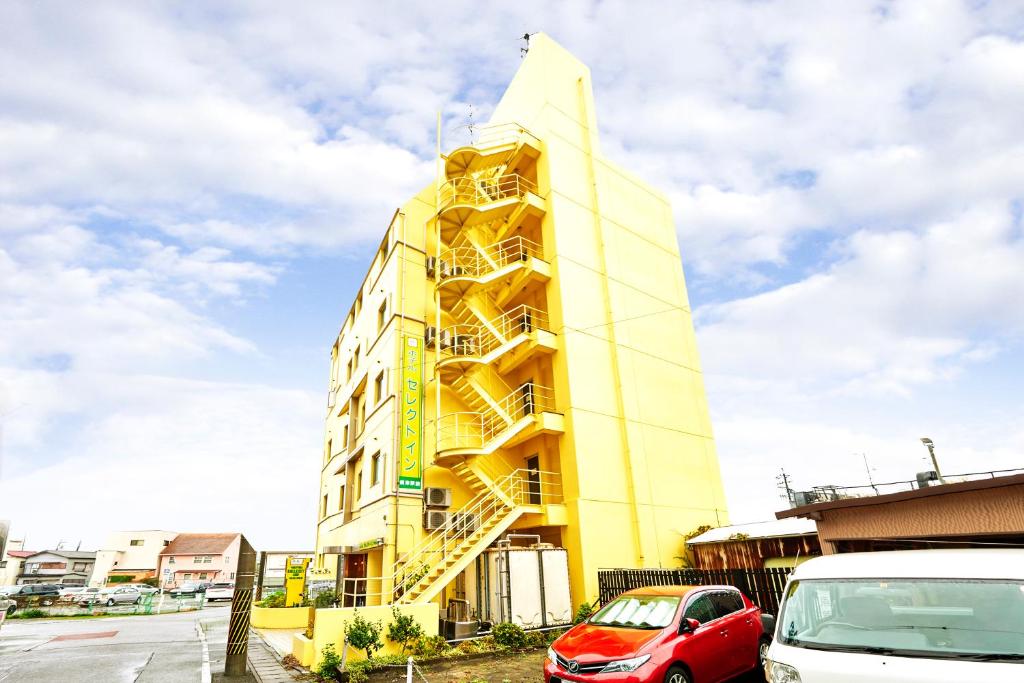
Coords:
pixel 188 589
pixel 143 588
pixel 670 634
pixel 7 605
pixel 911 616
pixel 220 591
pixel 112 596
pixel 35 594
pixel 71 593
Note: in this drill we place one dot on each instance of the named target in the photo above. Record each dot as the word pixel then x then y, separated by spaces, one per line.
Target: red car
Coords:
pixel 664 634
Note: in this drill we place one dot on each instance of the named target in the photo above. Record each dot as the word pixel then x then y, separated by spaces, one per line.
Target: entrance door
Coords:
pixel 355 581
pixel 533 480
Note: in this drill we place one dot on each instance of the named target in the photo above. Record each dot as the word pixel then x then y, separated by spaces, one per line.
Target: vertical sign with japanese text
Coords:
pixel 410 471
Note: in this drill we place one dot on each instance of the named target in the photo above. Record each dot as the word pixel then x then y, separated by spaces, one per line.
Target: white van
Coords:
pixel 912 616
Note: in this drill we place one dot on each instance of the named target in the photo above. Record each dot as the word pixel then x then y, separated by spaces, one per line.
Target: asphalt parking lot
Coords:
pixel 151 648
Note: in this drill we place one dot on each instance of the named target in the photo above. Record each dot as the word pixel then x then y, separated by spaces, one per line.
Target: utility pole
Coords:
pixel 931 452
pixel 783 484
pixel 867 468
pixel 241 608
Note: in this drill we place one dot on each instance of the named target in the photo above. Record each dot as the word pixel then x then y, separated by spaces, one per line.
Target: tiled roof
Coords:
pixel 69 554
pixel 199 544
pixel 20 553
pixel 769 529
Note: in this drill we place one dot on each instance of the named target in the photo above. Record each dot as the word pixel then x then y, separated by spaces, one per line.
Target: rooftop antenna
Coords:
pixel 526 48
pixel 867 468
pixel 783 485
pixel 470 125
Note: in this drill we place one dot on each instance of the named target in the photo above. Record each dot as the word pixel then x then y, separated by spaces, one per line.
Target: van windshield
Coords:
pixel 638 611
pixel 933 618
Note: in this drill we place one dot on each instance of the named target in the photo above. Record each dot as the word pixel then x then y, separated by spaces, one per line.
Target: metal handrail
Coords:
pixel 475 341
pixel 484 190
pixel 520 487
pixel 500 133
pixel 474 262
pixel 475 429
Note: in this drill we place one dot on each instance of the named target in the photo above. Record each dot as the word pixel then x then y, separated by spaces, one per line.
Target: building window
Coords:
pixel 344 436
pixel 202 577
pixel 203 559
pixel 170 560
pixel 328 450
pixel 348 372
pixel 79 567
pixel 359 484
pixel 375 462
pixel 323 507
pixel 187 576
pixel 341 497
pixel 382 315
pixel 355 359
pixel 136 542
pixel 359 302
pixel 378 388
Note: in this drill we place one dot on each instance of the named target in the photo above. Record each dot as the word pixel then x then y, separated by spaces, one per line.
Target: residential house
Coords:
pixel 199 557
pixel 130 556
pixel 66 567
pixel 12 562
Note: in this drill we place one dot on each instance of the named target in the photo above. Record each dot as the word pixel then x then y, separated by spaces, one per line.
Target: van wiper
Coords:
pixel 992 657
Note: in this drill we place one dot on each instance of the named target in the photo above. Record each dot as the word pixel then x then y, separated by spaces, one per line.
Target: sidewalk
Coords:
pixel 265 656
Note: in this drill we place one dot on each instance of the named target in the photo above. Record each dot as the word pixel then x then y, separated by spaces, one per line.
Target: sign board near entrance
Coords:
pixel 410 473
pixel 295 580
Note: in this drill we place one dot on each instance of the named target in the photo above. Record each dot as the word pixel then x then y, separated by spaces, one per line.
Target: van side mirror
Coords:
pixel 688 625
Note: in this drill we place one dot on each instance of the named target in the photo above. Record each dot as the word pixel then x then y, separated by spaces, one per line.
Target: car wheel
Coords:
pixel 10 610
pixel 762 650
pixel 138 600
pixel 110 602
pixel 677 674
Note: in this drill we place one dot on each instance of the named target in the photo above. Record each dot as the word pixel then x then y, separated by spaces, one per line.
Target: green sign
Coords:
pixel 410 471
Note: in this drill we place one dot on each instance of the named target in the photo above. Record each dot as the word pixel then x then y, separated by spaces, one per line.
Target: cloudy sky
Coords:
pixel 189 196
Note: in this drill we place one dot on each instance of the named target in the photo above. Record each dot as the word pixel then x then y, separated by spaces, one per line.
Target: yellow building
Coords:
pixel 522 339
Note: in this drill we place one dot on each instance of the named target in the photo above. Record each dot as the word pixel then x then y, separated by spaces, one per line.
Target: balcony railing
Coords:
pixel 475 430
pixel 476 341
pixel 479 191
pixel 469 262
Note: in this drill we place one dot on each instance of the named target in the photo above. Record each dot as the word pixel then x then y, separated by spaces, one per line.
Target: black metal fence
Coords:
pixel 763 586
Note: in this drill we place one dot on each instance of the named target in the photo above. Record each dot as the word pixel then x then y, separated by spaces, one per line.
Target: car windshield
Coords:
pixel 638 611
pixel 956 619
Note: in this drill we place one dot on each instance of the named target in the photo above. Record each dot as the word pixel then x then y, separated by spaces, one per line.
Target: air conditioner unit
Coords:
pixel 925 479
pixel 437 497
pixel 430 336
pixel 446 339
pixel 434 519
pixel 431 264
pixel 445 269
pixel 464 523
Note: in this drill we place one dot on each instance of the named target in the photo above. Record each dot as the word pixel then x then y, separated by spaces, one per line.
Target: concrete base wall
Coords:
pixel 280 617
pixel 329 629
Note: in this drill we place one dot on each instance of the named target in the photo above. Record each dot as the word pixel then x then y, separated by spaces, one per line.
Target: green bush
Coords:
pixel 327 670
pixel 509 635
pixel 273 600
pixel 30 614
pixel 364 635
pixel 429 646
pixel 583 612
pixel 404 630
pixel 120 578
pixel 536 639
pixel 151 581
pixel 325 599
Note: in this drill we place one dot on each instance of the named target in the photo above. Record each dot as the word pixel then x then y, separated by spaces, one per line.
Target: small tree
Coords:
pixel 403 630
pixel 364 635
pixel 509 635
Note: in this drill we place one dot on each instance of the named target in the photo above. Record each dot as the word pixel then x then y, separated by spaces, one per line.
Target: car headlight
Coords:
pixel 625 664
pixel 777 672
pixel 552 656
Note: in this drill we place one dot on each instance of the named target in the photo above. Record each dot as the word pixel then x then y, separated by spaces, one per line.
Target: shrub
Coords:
pixel 30 614
pixel 429 646
pixel 120 578
pixel 536 639
pixel 327 670
pixel 290 662
pixel 404 629
pixel 364 635
pixel 509 635
pixel 325 599
pixel 151 581
pixel 583 612
pixel 272 600
pixel 553 635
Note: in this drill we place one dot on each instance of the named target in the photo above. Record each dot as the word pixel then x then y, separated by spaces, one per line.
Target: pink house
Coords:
pixel 199 557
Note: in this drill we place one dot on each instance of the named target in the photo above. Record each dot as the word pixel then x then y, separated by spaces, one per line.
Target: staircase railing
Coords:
pixel 474 340
pixel 520 487
pixel 468 261
pixel 476 429
pixel 484 190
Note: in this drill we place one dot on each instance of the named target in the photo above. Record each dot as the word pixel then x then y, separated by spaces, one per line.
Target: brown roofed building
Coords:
pixel 977 512
pixel 199 558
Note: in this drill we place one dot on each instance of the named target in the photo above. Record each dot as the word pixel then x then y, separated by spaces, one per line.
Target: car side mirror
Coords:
pixel 688 625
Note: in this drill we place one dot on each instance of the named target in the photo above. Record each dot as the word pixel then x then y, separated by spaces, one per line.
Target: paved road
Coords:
pixel 143 649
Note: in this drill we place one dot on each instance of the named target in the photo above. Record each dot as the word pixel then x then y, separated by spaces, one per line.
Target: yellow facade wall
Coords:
pixel 280 617
pixel 330 630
